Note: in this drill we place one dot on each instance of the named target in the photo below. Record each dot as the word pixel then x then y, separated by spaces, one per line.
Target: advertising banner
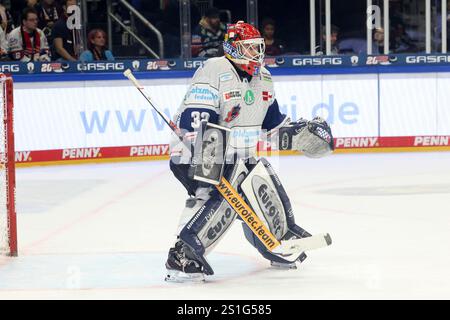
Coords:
pixel 88 115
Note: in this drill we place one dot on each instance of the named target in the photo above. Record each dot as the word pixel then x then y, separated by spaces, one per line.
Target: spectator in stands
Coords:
pixel 31 4
pixel 334 35
pixel 49 13
pixel 64 39
pixel 358 45
pixel 3 45
pixel 3 17
pixel 28 42
pixel 168 22
pixel 97 47
pixel 274 46
pixel 397 13
pixel 401 42
pixel 208 36
pixel 437 34
pixel 352 46
pixel 378 41
pixel 6 21
pixel 17 7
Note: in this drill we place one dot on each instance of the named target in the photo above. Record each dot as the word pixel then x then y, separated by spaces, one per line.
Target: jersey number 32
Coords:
pixel 197 117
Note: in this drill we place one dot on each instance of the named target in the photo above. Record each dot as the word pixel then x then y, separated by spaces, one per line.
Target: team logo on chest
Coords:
pixel 233 114
pixel 249 97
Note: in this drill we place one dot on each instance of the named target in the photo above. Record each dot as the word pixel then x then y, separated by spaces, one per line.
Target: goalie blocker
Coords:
pixel 209 153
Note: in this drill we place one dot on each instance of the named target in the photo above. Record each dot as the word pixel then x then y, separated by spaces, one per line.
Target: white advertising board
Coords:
pixel 60 115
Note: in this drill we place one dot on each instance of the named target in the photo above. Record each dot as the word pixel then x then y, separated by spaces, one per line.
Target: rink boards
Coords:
pixel 108 120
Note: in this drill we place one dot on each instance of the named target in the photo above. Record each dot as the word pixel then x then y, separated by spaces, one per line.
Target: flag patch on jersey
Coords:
pixel 233 114
pixel 232 95
pixel 266 96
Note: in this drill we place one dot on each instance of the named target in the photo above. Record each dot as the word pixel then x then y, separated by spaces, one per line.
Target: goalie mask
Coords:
pixel 244 46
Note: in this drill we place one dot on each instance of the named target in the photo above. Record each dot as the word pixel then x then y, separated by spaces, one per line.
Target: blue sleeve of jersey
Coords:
pixel 191 117
pixel 273 117
pixel 189 120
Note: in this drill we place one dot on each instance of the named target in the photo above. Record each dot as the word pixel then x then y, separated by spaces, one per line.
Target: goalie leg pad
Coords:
pixel 207 226
pixel 265 193
pixel 212 220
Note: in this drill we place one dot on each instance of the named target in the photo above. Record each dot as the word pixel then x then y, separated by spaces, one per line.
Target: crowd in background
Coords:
pixel 33 30
pixel 347 40
pixel 36 30
pixel 285 25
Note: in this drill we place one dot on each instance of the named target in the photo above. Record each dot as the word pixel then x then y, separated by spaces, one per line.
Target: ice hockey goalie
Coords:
pixel 236 92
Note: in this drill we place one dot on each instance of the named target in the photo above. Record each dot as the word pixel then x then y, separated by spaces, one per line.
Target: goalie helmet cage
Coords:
pixel 8 222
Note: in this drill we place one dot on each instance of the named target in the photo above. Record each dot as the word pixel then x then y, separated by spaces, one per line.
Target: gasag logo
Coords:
pixel 101 66
pixel 9 68
pixel 428 59
pixel 193 64
pixel 317 61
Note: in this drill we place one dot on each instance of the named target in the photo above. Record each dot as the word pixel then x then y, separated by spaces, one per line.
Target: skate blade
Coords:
pixel 283 266
pixel 181 277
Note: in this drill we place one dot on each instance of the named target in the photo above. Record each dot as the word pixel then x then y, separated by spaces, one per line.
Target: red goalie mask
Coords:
pixel 244 46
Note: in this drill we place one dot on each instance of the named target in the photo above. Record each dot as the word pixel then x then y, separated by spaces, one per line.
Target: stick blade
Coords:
pixel 304 244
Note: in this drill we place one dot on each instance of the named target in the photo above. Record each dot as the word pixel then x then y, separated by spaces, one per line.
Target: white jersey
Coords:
pixel 35 52
pixel 218 94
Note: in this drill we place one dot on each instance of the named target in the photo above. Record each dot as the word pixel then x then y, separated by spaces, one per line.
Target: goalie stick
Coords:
pixel 284 247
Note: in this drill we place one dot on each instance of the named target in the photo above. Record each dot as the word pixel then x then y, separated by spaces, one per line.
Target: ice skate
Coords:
pixel 283 266
pixel 180 268
pixel 287 265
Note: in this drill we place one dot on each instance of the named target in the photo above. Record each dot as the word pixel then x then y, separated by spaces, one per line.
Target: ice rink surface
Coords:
pixel 102 231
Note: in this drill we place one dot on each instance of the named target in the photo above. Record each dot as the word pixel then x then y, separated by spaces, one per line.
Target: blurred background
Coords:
pixel 182 28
